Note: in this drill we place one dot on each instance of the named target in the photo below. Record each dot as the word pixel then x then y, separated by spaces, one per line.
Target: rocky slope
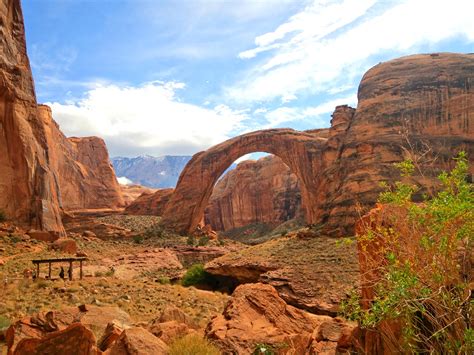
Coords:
pixel 42 171
pixel 131 192
pixel 146 170
pixel 263 191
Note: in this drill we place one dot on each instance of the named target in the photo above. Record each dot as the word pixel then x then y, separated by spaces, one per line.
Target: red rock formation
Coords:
pixel 406 107
pixel 150 203
pixel 75 339
pixel 42 171
pixel 300 151
pixel 28 187
pixel 263 191
pixel 417 107
pixel 85 176
pixel 257 315
pixel 138 341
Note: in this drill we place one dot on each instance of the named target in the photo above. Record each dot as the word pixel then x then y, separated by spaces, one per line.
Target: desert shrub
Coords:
pixel 191 240
pixel 3 216
pixel 164 280
pixel 4 322
pixel 138 239
pixel 110 272
pixel 421 263
pixel 263 349
pixel 192 345
pixel 203 241
pixel 195 275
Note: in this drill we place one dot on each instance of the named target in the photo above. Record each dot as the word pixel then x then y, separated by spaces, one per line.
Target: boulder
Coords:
pixel 74 340
pixel 257 315
pixel 65 245
pixel 111 335
pixel 137 341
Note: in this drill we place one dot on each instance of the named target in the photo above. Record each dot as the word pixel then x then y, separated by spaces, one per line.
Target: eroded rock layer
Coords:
pixel 263 191
pixel 150 203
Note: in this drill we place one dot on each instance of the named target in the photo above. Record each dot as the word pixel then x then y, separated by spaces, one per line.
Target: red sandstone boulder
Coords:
pixel 111 335
pixel 138 341
pixel 65 245
pixel 74 340
pixel 172 323
pixel 257 315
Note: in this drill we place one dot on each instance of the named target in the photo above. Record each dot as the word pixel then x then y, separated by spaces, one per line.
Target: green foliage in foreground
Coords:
pixel 4 322
pixel 424 277
pixel 195 275
pixel 192 345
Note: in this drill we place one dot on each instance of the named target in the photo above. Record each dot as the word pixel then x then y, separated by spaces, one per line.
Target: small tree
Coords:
pixel 417 259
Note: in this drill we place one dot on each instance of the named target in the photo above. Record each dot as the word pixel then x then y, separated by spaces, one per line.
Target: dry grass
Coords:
pixel 193 345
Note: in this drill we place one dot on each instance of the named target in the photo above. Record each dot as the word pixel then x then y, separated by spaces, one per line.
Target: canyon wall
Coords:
pixel 42 171
pixel 29 192
pixel 419 107
pixel 150 203
pixel 263 191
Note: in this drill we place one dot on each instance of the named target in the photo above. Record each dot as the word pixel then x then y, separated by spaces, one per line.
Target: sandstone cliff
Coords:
pixel 419 107
pixel 42 171
pixel 263 191
pixel 28 187
pixel 85 176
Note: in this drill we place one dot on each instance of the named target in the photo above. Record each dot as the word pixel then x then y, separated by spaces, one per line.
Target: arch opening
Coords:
pixel 258 198
pixel 298 150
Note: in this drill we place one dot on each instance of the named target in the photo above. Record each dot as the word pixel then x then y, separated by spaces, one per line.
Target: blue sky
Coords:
pixel 175 77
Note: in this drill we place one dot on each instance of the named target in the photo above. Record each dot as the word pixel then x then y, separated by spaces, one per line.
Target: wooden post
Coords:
pixel 80 266
pixel 70 271
pixel 49 270
pixel 37 270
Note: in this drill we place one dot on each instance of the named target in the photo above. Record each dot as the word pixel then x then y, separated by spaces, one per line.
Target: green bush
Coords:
pixel 138 239
pixel 191 240
pixel 195 275
pixel 421 256
pixel 192 345
pixel 203 241
pixel 4 322
pixel 3 216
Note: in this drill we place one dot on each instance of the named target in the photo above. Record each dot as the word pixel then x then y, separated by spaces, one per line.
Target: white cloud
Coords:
pixel 329 43
pixel 317 114
pixel 123 180
pixel 146 119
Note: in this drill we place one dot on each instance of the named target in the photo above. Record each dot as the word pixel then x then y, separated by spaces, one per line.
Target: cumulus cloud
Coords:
pixel 149 118
pixel 123 180
pixel 328 44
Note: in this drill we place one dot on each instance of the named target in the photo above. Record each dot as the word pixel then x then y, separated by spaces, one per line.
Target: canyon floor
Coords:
pixel 137 267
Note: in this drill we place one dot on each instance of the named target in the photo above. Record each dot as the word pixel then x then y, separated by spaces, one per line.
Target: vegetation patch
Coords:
pixel 193 345
pixel 421 252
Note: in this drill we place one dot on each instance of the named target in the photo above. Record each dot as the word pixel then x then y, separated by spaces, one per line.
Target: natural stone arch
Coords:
pixel 301 151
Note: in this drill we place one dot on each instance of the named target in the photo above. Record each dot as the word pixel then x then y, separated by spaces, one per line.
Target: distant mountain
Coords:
pixel 146 170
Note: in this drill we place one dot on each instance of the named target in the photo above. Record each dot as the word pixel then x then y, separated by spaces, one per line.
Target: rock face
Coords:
pixel 150 203
pixel 263 191
pixel 42 171
pixel 417 107
pixel 257 315
pixel 29 191
pixel 85 176
pixel 138 341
